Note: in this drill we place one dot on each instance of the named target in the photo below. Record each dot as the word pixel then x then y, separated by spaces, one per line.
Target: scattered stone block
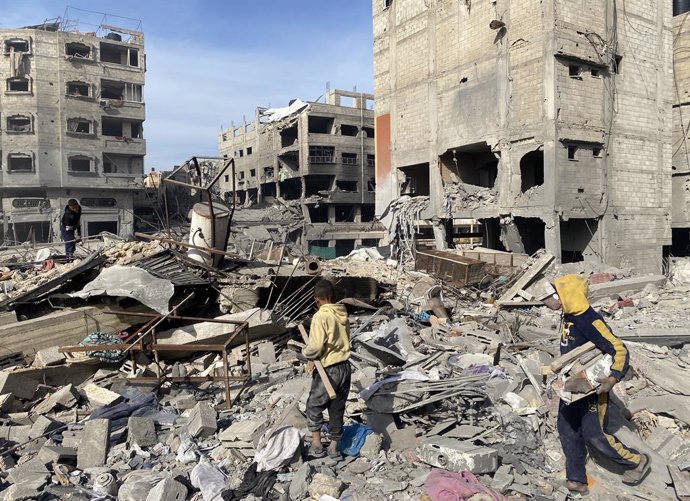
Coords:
pixel 49 356
pixel 323 485
pixel 141 431
pixel 65 398
pixel 267 352
pixel 202 421
pixel 32 474
pixel 71 439
pixel 20 386
pixel 503 478
pixel 300 482
pixel 57 454
pixel 168 490
pixel 245 431
pixel 93 448
pixel 43 425
pixel 372 446
pixel 99 397
pixel 6 402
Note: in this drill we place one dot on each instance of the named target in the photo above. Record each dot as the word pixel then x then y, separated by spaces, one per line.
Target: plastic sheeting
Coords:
pixel 130 281
pixel 278 114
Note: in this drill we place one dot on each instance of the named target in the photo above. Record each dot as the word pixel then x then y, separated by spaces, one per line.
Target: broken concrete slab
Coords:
pixel 17 384
pixel 42 426
pixel 65 398
pixel 63 328
pixel 49 356
pixel 261 326
pixel 99 397
pixel 93 448
pixel 323 485
pixel 57 454
pixel 607 289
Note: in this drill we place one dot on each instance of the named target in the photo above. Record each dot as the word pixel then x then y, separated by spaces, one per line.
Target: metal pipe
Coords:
pixel 141 336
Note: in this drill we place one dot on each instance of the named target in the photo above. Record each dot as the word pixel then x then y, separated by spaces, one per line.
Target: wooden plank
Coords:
pixel 526 278
pixel 571 356
pixel 319 367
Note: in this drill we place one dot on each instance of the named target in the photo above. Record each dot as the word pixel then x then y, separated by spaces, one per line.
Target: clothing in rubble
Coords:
pixel 329 342
pixel 584 422
pixel 257 483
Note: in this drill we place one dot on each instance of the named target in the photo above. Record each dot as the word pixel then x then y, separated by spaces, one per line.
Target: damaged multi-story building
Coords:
pixel 319 154
pixel 549 122
pixel 71 114
pixel 681 130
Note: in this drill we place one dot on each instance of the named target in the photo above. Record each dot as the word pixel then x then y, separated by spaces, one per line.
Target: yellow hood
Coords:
pixel 337 310
pixel 572 291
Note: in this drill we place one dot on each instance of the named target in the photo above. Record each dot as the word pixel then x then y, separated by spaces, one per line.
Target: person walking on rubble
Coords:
pixel 69 225
pixel 583 423
pixel 329 343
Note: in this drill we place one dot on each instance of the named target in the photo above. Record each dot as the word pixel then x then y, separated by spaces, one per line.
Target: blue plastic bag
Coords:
pixel 354 436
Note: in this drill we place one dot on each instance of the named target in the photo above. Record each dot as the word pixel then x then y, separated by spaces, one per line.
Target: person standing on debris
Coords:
pixel 69 225
pixel 583 423
pixel 329 343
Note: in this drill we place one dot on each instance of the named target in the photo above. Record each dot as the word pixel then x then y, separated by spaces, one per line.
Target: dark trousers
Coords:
pixel 582 424
pixel 69 239
pixel 339 375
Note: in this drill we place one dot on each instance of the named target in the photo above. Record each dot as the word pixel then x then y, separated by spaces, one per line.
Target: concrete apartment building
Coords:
pixel 556 115
pixel 71 115
pixel 318 153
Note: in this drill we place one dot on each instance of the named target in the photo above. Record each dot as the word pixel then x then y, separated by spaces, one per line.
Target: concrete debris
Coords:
pixel 455 366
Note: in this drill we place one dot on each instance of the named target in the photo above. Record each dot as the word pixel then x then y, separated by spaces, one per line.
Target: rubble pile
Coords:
pixel 192 390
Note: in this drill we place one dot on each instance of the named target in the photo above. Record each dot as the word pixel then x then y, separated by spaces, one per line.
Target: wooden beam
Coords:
pixel 526 278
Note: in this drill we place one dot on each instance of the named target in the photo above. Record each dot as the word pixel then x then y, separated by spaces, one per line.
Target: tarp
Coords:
pixel 130 281
pixel 278 114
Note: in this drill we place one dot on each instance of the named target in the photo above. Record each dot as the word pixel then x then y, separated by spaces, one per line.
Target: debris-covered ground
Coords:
pixel 135 373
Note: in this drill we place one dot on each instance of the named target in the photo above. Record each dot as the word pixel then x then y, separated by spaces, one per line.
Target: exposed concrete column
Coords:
pixel 331 214
pixel 358 214
pixel 552 235
pixel 440 234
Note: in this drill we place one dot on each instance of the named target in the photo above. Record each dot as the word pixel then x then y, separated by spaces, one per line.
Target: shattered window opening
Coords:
pixel 16 45
pixel 572 153
pixel 579 240
pixel 320 125
pixel 79 126
pixel 371 161
pixel 573 71
pixel 532 170
pixel 18 84
pixel 322 154
pixel 349 159
pixel 77 88
pixel 252 172
pixel 19 123
pixel 346 185
pixel 78 50
pixel 369 132
pixel 80 163
pixel 416 180
pixel 20 162
pixel 250 150
pixel 349 130
pixel 288 136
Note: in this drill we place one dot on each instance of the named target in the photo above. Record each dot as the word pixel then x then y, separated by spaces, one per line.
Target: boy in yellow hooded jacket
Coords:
pixel 329 343
pixel 583 423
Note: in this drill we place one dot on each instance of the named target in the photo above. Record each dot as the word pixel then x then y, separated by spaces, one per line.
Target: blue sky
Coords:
pixel 210 62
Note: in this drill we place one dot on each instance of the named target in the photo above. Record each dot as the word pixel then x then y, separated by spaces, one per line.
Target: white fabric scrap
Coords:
pixel 276 450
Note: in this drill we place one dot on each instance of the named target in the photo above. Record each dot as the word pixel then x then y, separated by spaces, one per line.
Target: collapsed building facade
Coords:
pixel 72 114
pixel 317 154
pixel 549 122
